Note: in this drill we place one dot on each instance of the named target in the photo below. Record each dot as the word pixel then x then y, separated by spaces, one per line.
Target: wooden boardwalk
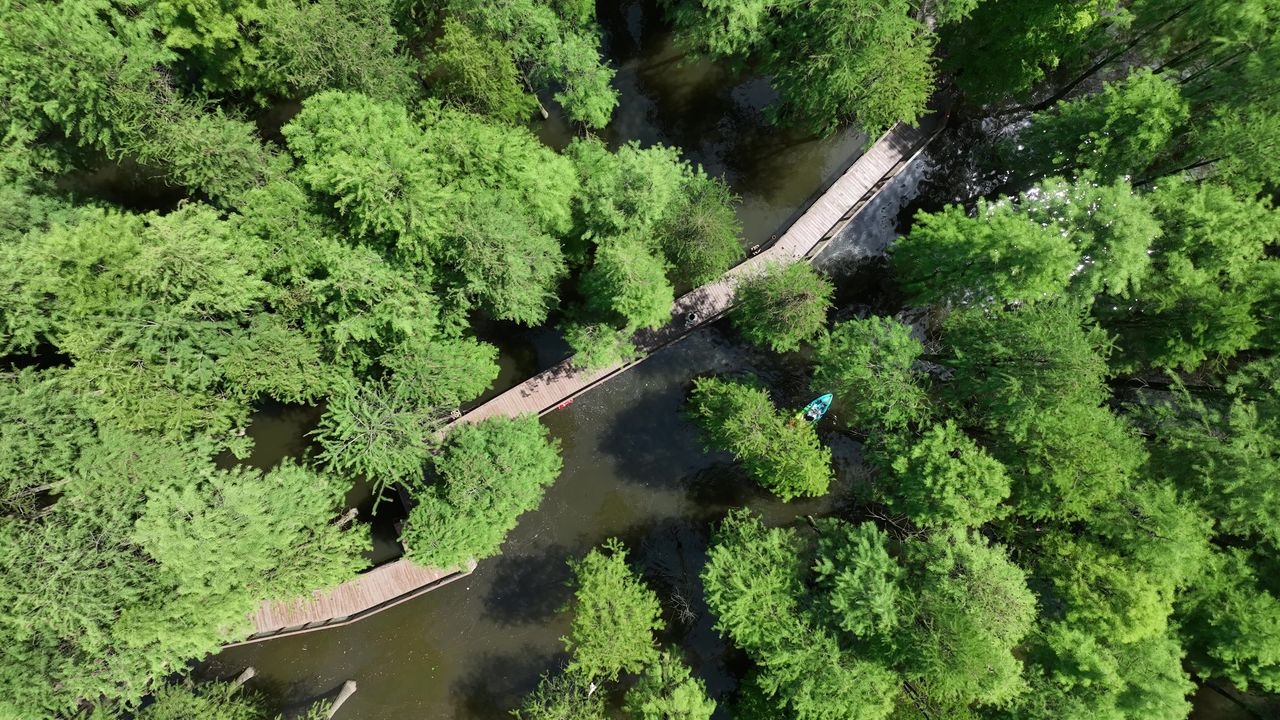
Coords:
pixel 369 592
pixel 822 220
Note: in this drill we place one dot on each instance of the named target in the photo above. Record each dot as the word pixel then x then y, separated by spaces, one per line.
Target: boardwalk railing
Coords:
pixel 825 217
pixel 391 584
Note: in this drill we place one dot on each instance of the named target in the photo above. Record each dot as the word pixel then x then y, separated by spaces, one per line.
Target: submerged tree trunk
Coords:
pixel 348 689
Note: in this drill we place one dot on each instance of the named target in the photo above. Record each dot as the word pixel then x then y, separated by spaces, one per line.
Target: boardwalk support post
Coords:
pixel 245 676
pixel 348 689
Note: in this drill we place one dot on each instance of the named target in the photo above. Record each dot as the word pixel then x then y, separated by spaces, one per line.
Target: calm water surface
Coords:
pixel 634 470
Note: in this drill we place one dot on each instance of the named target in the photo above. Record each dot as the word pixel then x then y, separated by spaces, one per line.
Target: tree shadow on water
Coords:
pixel 501 681
pixel 652 441
pixel 528 589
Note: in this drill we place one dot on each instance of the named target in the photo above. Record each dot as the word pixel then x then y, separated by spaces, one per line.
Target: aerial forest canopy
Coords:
pixel 339 263
pixel 1071 453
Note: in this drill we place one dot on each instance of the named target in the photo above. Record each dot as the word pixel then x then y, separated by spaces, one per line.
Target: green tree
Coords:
pixel 972 608
pixel 778 451
pixel 868 364
pixel 227 536
pixel 562 697
pixel 1222 453
pixel 488 475
pixel 381 180
pixel 161 317
pixel 597 345
pixel 1008 46
pixel 47 429
pixel 700 233
pixel 1120 576
pixel 628 191
pixel 556 45
pixel 478 73
pixel 941 478
pixel 215 701
pixel 864 61
pixel 861 582
pixel 98 76
pixel 1035 379
pixel 505 261
pixel 1009 366
pixel 369 430
pixel 1111 228
pixel 119 584
pixel 755 581
pixel 996 257
pixel 1075 675
pixel 1077 239
pixel 667 691
pixel 628 284
pixel 1071 460
pixel 476 156
pixel 1119 132
pixel 303 48
pixel 1232 624
pixel 782 306
pixel 945 616
pixel 1205 295
pixel 614 616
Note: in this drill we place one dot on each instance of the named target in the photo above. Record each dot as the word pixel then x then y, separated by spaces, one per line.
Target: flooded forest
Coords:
pixel 640 360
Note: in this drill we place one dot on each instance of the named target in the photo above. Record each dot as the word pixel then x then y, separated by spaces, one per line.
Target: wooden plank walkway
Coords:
pixel 369 592
pixel 822 220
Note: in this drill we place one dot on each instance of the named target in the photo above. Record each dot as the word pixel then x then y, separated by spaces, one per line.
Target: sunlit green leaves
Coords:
pixel 782 306
pixel 780 452
pixel 486 476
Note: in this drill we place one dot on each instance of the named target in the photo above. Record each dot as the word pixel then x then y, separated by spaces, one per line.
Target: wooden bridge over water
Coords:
pixel 391 584
pixel 825 217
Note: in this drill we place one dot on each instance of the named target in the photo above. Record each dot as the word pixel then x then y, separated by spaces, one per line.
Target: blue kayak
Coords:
pixel 816 408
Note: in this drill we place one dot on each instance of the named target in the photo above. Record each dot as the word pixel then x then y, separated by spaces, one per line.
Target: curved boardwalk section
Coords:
pixel 826 216
pixel 369 592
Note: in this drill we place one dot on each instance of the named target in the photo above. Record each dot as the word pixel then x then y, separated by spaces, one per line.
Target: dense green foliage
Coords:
pixel 1070 460
pixel 488 475
pixel 782 306
pixel 338 264
pixel 214 701
pixel 942 478
pixel 869 365
pixel 777 450
pixel 836 623
pixel 644 218
pixel 615 616
pixel 555 45
pixel 832 61
pixel 667 691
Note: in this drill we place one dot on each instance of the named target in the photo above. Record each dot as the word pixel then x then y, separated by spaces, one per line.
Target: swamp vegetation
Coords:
pixel 1050 487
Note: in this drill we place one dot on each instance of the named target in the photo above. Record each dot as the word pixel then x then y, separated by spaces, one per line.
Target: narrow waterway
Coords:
pixel 634 468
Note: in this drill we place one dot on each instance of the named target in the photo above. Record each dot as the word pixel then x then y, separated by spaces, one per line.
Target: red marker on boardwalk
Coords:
pixel 565 404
